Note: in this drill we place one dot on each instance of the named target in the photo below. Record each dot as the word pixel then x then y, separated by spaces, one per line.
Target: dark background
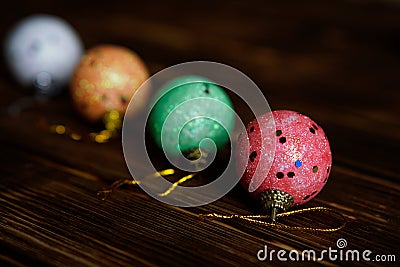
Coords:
pixel 336 61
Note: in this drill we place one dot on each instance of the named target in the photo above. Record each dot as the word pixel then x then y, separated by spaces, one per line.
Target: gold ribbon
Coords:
pixel 104 193
pixel 259 219
pixel 112 122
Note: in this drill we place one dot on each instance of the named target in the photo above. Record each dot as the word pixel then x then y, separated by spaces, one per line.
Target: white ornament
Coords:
pixel 43 51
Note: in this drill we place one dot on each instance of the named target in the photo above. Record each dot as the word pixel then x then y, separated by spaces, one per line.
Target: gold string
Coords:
pixel 103 136
pixel 100 137
pixel 112 122
pixel 174 185
pixel 256 219
pixel 61 130
pixel 104 193
pixel 162 173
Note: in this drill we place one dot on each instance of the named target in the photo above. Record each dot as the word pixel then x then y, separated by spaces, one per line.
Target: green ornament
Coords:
pixel 191 109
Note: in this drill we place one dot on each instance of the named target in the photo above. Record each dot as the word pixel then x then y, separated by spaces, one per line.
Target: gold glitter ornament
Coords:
pixel 101 87
pixel 105 80
pixel 103 83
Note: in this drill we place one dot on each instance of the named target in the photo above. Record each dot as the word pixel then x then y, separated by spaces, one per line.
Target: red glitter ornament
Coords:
pixel 301 164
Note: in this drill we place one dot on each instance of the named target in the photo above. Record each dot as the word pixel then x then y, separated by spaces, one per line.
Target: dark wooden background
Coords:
pixel 336 61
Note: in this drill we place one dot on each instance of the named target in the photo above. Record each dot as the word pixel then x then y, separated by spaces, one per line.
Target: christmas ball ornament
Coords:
pixel 191 109
pixel 43 50
pixel 300 167
pixel 105 80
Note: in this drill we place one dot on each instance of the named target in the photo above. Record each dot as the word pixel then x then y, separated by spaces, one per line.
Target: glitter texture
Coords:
pixel 301 164
pixel 105 80
pixel 193 122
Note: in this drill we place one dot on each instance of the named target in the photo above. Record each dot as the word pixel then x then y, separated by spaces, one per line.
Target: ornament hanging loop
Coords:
pixel 261 219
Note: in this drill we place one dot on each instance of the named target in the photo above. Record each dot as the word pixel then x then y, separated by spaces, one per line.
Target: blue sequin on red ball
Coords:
pixel 298 163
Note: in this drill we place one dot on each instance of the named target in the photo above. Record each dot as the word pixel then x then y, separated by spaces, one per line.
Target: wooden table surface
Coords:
pixel 336 61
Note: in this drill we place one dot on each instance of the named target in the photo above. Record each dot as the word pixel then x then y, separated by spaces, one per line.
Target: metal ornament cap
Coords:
pixel 276 199
pixel 272 200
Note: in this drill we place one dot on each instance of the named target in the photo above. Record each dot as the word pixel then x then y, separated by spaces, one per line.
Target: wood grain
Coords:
pixel 336 61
